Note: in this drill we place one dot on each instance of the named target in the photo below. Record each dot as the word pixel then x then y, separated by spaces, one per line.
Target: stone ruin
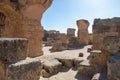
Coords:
pixel 21 19
pixel 103 28
pixel 83 37
pixel 50 37
pixel 61 44
pixel 22 31
pixel 107 58
pixel 71 32
pixel 72 42
pixel 23 34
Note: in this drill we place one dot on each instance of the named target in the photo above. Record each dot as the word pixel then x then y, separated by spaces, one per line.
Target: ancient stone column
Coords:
pixel 32 14
pixel 71 32
pixel 83 36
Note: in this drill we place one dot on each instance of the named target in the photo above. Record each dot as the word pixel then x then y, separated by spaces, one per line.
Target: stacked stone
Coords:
pixel 103 28
pixel 13 66
pixel 52 36
pixel 111 44
pixel 71 32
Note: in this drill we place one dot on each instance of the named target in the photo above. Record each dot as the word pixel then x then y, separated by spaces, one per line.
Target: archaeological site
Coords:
pixel 29 51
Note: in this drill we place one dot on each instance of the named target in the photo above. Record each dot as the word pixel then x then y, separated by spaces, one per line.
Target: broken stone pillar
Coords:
pixel 83 36
pixel 13 49
pixel 103 28
pixel 113 68
pixel 71 32
pixel 32 12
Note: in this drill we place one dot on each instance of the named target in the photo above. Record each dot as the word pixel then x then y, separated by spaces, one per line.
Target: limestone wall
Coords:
pixel 103 28
pixel 71 32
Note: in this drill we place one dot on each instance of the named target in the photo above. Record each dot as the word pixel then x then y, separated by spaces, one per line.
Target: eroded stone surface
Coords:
pixel 114 68
pixel 103 28
pixel 51 67
pixel 66 61
pixel 83 36
pixel 24 70
pixel 71 32
pixel 13 49
pixel 23 20
pixel 85 69
pixel 112 45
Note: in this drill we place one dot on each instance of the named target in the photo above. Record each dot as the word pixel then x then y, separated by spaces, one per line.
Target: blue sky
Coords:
pixel 63 14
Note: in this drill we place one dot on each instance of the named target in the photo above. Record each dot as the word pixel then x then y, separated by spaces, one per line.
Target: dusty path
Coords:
pixel 64 74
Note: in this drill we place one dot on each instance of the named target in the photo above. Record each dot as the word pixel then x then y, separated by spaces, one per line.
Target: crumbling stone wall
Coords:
pixel 51 37
pixel 71 32
pixel 83 36
pixel 103 28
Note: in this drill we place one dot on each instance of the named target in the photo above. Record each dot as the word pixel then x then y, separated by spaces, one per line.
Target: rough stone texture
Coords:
pixel 58 46
pixel 98 59
pixel 24 70
pixel 103 28
pixel 112 45
pixel 32 11
pixel 85 69
pixel 53 34
pixel 71 32
pixel 83 36
pixel 64 38
pixel 114 68
pixel 73 43
pixel 51 67
pixel 66 61
pixel 11 24
pixel 13 49
pixel 2 71
pixel 22 19
pixel 49 42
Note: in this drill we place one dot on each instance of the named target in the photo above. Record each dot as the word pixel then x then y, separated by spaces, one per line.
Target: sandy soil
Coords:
pixel 64 74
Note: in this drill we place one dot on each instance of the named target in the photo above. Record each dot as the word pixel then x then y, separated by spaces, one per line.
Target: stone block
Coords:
pixel 13 49
pixel 66 61
pixel 84 68
pixel 112 45
pixel 28 69
pixel 51 67
pixel 113 68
